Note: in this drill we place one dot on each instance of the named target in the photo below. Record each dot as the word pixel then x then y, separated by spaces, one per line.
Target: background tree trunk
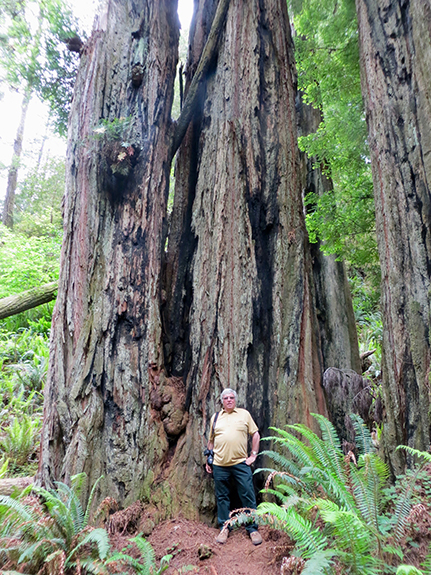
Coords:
pixel 136 365
pixel 12 179
pixel 338 335
pixel 396 74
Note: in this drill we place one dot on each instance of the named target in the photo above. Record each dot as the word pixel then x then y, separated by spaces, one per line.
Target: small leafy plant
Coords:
pixel 146 565
pixel 20 443
pixel 110 130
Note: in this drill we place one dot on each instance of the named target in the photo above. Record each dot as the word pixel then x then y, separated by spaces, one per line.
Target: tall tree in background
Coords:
pixel 150 323
pixel 34 61
pixel 395 46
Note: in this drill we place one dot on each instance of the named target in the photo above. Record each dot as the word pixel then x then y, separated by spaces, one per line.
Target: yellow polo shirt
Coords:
pixel 230 436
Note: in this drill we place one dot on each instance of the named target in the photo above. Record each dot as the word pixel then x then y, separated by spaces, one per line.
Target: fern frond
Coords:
pixel 416 452
pixel 281 432
pixel 353 539
pixel 99 537
pixel 18 517
pixel 95 567
pixel 299 450
pixel 319 564
pixel 332 444
pixel 78 482
pixel 71 500
pixel 32 550
pixel 90 500
pixel 363 438
pixel 128 561
pixel 8 504
pixel 282 491
pixel 147 552
pixel 368 481
pixel 427 561
pixel 403 506
pixel 327 452
pixel 164 564
pixel 308 538
pixel 59 511
pixel 281 461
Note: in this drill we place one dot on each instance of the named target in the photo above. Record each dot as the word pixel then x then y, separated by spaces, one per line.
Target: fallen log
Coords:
pixel 9 485
pixel 29 299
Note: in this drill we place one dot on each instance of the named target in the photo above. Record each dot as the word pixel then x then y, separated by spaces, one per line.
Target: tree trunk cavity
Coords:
pixel 396 74
pixel 147 332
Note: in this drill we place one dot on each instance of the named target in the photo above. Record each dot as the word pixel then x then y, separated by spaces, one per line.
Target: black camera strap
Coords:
pixel 214 424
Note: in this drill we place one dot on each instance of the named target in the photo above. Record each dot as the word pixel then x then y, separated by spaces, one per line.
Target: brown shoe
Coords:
pixel 222 536
pixel 256 537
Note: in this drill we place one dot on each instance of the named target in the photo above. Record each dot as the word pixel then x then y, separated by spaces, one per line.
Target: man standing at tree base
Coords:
pixel 230 429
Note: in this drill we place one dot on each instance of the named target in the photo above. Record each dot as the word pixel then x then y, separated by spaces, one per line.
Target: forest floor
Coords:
pixel 190 540
pixel 195 550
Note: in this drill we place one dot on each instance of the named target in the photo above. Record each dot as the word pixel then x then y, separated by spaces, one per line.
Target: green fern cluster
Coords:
pixel 50 535
pixel 333 505
pixel 146 565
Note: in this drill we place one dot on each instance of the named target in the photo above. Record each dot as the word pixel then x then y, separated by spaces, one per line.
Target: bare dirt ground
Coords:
pixel 195 549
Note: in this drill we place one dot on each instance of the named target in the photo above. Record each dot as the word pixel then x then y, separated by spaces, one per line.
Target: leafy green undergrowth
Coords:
pixel 341 510
pixel 49 531
pixel 27 262
pixel 23 368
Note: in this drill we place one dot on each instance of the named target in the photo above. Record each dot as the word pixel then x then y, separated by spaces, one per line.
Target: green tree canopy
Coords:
pixel 327 56
pixel 33 53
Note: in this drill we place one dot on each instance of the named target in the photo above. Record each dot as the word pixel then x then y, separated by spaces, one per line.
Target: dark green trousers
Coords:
pixel 242 476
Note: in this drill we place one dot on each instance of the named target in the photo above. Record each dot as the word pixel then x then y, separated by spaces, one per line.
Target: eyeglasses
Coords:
pixel 229 398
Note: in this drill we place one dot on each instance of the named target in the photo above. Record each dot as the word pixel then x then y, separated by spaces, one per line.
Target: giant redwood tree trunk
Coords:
pixel 147 332
pixel 106 337
pixel 396 74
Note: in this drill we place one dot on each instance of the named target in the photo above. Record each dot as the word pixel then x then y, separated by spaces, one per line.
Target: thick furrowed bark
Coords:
pixel 395 56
